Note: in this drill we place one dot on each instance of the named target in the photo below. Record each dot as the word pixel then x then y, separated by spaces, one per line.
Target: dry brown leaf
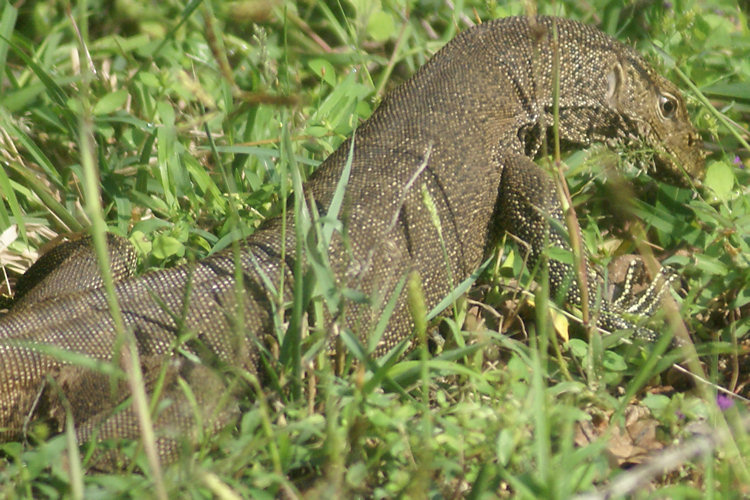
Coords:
pixel 629 445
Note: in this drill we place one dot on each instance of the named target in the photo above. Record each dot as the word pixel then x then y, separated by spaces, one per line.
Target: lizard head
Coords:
pixel 658 120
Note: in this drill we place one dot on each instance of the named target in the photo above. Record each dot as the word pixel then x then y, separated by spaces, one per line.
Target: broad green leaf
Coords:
pixel 614 362
pixel 380 26
pixel 167 246
pixel 149 80
pixel 720 179
pixel 324 70
pixel 111 102
pixel 578 347
pixel 710 265
pixel 736 90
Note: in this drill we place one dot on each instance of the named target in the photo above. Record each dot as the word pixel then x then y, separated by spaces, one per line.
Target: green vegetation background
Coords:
pixel 189 104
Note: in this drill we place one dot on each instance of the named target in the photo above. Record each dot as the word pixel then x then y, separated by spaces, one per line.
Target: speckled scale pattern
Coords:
pixel 464 128
pixel 52 275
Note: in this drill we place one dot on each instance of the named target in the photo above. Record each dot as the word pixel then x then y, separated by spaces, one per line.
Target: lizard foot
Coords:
pixel 638 300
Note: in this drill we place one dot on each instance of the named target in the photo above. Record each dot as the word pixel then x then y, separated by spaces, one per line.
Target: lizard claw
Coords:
pixel 645 302
pixel 640 303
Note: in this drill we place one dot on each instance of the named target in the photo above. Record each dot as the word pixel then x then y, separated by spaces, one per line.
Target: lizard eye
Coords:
pixel 667 105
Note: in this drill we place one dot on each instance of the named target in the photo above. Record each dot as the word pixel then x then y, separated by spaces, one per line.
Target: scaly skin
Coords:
pixel 465 129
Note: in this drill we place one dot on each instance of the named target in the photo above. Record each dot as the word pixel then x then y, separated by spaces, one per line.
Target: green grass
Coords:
pixel 199 120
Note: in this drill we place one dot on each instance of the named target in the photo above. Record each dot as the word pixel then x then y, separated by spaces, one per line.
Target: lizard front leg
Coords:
pixel 529 208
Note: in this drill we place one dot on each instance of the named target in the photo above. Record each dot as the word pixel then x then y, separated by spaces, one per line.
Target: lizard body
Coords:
pixel 464 128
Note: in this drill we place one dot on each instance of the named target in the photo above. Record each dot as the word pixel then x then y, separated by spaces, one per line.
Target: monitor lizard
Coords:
pixel 464 129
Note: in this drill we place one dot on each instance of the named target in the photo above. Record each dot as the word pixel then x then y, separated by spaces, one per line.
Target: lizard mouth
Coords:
pixel 684 170
pixel 666 169
pixel 675 157
pixel 659 164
